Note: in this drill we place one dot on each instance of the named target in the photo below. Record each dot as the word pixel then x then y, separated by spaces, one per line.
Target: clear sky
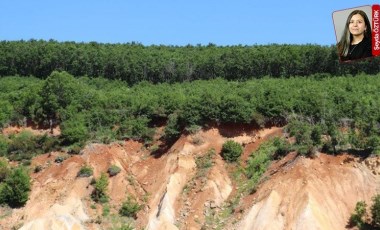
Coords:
pixel 170 22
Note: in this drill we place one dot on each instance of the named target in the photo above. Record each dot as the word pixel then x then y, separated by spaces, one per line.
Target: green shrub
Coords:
pixel 136 129
pixel 375 211
pixel 233 108
pixel 282 147
pixel 3 199
pixel 231 151
pixel 302 132
pixel 259 161
pixel 126 227
pixel 25 145
pixel 59 159
pixel 85 171
pixel 197 140
pixel 59 91
pixel 4 169
pixel 154 148
pixel 100 189
pixel 130 208
pixel 15 191
pixel 46 143
pixel 106 210
pixel 172 129
pixel 374 143
pixel 336 137
pixel 193 129
pixel 22 146
pixel 6 111
pixel 113 170
pixel 308 137
pixel 356 219
pixel 315 135
pixel 306 150
pixel 75 149
pixel 104 135
pixel 74 130
pixel 3 145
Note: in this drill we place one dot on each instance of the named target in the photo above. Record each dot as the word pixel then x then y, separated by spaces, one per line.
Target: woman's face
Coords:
pixel 357 25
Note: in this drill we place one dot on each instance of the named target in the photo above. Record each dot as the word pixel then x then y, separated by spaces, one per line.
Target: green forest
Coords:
pixel 108 92
pixel 133 62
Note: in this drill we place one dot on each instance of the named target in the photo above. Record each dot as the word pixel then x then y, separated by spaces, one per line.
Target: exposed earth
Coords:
pixel 177 193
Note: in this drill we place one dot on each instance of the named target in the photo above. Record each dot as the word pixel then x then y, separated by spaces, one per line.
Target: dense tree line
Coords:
pixel 105 110
pixel 133 62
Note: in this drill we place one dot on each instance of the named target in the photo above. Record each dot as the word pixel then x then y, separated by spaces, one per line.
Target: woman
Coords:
pixel 356 39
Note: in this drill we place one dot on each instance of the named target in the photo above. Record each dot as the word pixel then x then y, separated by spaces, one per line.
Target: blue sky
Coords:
pixel 172 22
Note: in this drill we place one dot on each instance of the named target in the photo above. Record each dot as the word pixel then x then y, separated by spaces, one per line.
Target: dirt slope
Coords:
pixel 318 193
pixel 177 191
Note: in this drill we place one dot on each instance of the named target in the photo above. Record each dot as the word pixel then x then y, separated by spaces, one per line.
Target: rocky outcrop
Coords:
pixel 373 163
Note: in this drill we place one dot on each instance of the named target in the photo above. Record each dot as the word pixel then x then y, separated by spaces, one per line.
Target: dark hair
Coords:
pixel 345 41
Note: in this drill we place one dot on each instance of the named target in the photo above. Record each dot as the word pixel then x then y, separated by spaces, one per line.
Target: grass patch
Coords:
pixel 85 171
pixel 130 207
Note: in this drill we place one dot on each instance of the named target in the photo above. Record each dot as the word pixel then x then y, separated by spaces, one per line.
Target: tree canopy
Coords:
pixel 133 62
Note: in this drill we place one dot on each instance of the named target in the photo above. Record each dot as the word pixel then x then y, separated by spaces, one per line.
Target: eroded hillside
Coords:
pixel 189 186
